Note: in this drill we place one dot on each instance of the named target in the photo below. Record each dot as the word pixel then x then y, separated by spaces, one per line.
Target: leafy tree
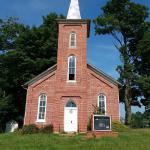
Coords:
pixel 125 21
pixel 9 32
pixel 143 68
pixel 34 50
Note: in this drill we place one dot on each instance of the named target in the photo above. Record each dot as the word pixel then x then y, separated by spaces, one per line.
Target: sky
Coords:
pixel 100 52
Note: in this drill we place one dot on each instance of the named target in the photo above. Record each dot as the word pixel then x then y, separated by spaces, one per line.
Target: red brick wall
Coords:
pixel 98 85
pixel 83 92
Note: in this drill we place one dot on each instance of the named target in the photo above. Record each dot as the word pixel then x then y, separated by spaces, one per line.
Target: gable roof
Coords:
pixel 91 67
pixel 43 74
pixel 103 74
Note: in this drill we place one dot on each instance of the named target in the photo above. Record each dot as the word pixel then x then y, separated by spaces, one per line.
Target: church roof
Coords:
pixel 74 10
pixel 53 68
pixel 41 75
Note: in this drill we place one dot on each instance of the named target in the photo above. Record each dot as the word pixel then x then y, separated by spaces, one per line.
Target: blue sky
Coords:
pixel 101 51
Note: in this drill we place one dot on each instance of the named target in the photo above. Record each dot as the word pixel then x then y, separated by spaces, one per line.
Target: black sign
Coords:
pixel 102 123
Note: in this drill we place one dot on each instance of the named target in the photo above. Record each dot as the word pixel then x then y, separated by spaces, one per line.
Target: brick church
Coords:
pixel 66 94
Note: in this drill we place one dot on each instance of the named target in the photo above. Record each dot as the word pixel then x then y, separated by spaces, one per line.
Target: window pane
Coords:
pixel 73 39
pixel 43 115
pixel 70 104
pixel 71 68
pixel 102 103
pixel 42 106
pixel 71 76
pixel 40 116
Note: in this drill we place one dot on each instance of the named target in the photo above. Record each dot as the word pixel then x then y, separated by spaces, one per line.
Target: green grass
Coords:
pixel 132 140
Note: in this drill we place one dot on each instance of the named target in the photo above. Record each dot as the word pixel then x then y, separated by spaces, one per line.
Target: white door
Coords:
pixel 70 119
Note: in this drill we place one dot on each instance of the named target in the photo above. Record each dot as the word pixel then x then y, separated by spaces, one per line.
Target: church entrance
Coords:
pixel 70 117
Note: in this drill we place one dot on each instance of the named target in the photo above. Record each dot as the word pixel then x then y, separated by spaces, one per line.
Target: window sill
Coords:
pixel 72 47
pixel 40 121
pixel 71 81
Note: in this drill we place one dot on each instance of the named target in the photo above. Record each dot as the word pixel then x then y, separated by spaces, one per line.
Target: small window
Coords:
pixel 72 42
pixel 70 104
pixel 71 68
pixel 42 107
pixel 102 103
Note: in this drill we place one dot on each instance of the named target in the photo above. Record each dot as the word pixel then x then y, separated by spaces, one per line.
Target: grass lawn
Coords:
pixel 133 140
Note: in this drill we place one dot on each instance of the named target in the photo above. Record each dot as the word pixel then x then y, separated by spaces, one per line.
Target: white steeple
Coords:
pixel 74 10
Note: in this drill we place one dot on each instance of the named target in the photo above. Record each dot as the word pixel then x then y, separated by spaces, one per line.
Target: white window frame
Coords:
pixel 75 40
pixel 104 102
pixel 68 69
pixel 41 120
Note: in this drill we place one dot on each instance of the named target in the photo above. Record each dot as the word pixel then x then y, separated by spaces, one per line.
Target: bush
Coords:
pixel 29 129
pixel 32 129
pixel 47 129
pixel 119 127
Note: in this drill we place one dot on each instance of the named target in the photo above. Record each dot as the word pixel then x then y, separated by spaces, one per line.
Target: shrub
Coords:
pixel 29 129
pixel 119 127
pixel 47 129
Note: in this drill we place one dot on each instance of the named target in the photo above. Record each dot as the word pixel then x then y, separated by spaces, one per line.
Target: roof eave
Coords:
pixel 36 78
pixel 100 72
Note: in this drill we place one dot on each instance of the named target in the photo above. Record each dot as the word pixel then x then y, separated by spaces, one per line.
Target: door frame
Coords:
pixel 73 108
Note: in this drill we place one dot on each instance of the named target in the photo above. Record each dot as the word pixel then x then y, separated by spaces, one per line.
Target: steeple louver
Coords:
pixel 74 10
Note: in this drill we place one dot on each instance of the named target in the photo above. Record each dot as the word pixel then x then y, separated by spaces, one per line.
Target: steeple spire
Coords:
pixel 74 10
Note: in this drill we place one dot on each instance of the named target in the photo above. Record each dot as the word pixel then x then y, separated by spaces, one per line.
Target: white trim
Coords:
pixel 71 81
pixel 75 40
pixel 41 120
pixel 25 112
pixel 104 102
pixel 104 116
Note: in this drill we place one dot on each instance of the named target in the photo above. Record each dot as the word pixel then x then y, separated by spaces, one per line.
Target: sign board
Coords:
pixel 101 123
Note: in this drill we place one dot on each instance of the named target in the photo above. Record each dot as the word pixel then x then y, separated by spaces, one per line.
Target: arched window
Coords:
pixel 70 104
pixel 42 107
pixel 71 68
pixel 102 103
pixel 72 41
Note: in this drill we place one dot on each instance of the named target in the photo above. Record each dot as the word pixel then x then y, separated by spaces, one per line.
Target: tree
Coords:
pixel 125 21
pixel 9 32
pixel 143 68
pixel 34 50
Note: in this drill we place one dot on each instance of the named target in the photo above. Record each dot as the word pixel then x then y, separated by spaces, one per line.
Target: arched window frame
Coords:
pixel 68 76
pixel 105 107
pixel 73 40
pixel 39 106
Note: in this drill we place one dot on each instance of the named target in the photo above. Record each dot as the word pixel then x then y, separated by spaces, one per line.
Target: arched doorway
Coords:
pixel 70 117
